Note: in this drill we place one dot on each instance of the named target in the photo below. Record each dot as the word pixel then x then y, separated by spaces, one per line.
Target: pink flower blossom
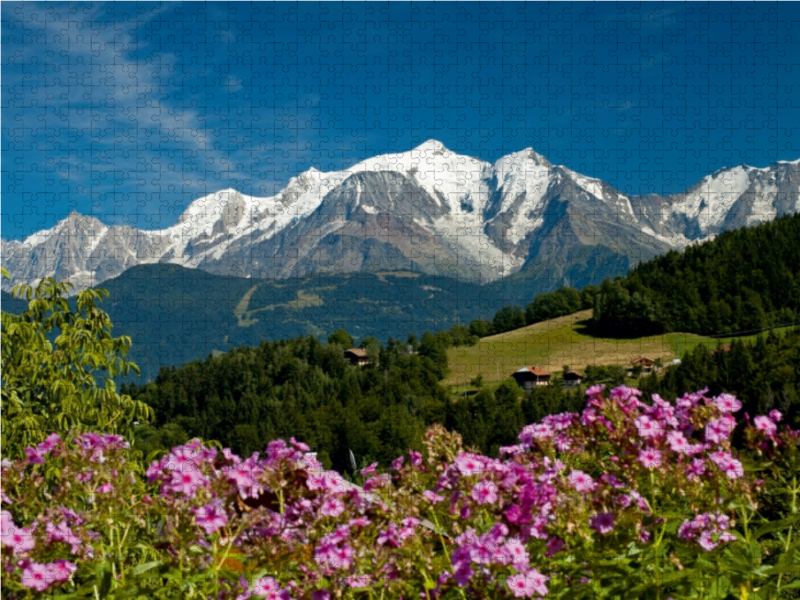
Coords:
pixel 603 522
pixel 775 415
pixel 554 546
pixel 105 488
pixel 695 469
pixel 370 470
pixel 484 492
pixel 524 586
pixel 303 447
pixel 765 424
pixel 581 481
pixel 727 403
pixel 36 577
pixel 516 552
pixel 211 517
pixel 647 427
pixel 332 507
pixel 432 497
pixel 187 481
pixel 677 441
pixel 468 465
pixel 62 569
pixel 650 458
pixel 12 536
pixel 733 469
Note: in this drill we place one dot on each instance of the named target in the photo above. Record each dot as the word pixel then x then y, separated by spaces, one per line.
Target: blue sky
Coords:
pixel 130 111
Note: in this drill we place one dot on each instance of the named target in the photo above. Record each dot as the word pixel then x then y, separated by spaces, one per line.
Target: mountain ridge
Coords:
pixel 428 210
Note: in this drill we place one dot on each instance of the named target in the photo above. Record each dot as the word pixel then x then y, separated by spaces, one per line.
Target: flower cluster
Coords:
pixel 520 525
pixel 707 530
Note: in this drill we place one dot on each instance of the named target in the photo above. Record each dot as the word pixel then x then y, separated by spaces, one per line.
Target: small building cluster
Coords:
pixel 535 376
pixel 531 377
pixel 357 356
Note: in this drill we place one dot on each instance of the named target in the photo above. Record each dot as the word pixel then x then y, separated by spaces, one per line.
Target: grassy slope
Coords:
pixel 563 341
pixel 554 343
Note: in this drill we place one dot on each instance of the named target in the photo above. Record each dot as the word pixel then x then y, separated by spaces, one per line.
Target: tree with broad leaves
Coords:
pixel 52 386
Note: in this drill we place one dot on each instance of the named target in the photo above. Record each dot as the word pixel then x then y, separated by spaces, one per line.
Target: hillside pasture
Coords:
pixel 554 343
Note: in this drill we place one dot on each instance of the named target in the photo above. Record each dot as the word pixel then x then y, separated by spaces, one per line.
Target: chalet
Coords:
pixel 357 356
pixel 573 378
pixel 531 377
pixel 723 348
pixel 645 362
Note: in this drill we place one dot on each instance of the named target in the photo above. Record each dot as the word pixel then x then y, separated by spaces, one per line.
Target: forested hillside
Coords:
pixel 764 375
pixel 746 279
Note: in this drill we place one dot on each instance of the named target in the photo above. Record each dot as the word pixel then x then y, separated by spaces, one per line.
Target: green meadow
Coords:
pixel 566 341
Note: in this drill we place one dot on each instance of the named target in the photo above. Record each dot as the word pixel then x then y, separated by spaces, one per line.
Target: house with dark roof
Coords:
pixel 645 362
pixel 530 377
pixel 573 378
pixel 357 356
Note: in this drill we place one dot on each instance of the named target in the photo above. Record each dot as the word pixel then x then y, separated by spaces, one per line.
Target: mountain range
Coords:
pixel 521 221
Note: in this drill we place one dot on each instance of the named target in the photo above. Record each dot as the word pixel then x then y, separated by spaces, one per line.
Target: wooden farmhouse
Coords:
pixel 357 356
pixel 531 377
pixel 645 362
pixel 573 378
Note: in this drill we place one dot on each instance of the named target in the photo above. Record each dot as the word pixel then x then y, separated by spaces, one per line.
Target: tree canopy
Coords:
pixel 52 359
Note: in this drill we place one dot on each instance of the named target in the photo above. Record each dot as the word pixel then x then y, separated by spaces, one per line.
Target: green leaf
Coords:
pixel 103 580
pixel 778 569
pixel 775 526
pixel 146 566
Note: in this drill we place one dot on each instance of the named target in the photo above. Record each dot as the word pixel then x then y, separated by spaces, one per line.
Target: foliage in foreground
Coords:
pixel 53 386
pixel 625 500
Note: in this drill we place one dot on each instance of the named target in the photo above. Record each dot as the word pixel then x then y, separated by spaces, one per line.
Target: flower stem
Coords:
pixel 795 490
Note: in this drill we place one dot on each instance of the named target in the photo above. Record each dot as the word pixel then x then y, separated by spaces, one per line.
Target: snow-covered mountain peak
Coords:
pixel 427 207
pixel 431 146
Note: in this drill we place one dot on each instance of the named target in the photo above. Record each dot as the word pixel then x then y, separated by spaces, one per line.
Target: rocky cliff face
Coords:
pixel 428 210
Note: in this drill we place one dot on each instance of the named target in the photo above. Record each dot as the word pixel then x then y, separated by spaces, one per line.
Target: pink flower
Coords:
pixel 581 481
pixel 211 517
pixel 516 552
pixel 520 586
pixel 554 546
pixel 595 389
pixel 647 427
pixel 62 569
pixel 650 458
pixel 695 469
pixel 775 415
pixel 484 492
pixel 415 458
pixel 524 586
pixel 33 456
pixel 332 507
pixel 677 441
pixel 370 470
pixel 299 445
pixel 36 577
pixel 603 522
pixel 187 481
pixel 727 403
pixel 733 469
pixel 432 497
pixel 765 424
pixel 241 476
pixel 105 488
pixel 12 536
pixel 468 464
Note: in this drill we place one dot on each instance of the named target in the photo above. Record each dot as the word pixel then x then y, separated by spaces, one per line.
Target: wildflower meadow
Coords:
pixel 628 499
